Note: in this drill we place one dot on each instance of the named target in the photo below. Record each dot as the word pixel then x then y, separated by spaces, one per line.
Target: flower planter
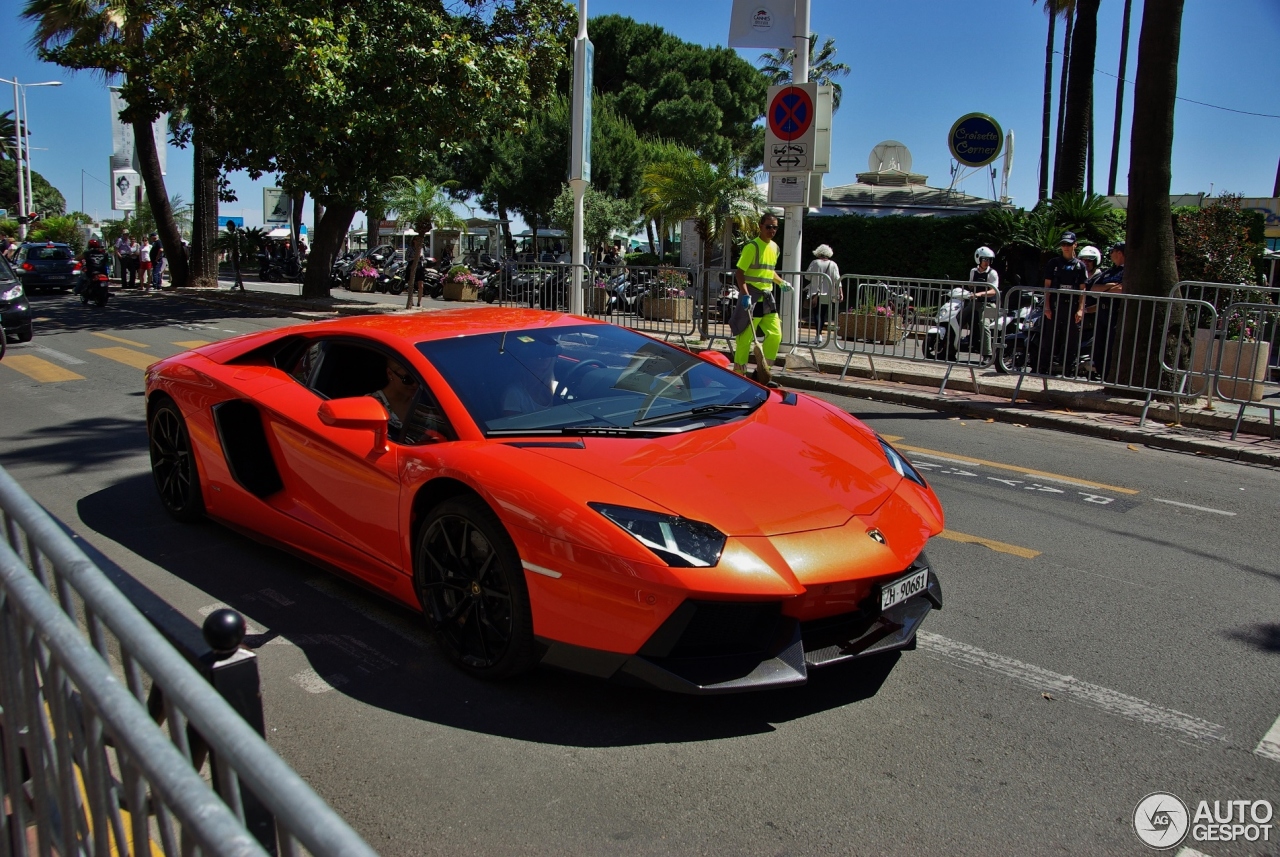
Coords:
pixel 667 309
pixel 460 292
pixel 869 328
pixel 360 284
pixel 597 301
pixel 1243 366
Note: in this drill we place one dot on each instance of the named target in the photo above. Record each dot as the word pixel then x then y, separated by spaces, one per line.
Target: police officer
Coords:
pixel 1060 334
pixel 756 276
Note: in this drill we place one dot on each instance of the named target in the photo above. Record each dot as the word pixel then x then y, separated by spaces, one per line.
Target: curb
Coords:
pixel 1151 437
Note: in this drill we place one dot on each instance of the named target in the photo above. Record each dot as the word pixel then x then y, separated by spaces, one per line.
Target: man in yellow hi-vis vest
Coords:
pixel 756 276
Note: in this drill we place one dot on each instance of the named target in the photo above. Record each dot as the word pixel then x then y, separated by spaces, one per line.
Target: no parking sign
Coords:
pixel 790 128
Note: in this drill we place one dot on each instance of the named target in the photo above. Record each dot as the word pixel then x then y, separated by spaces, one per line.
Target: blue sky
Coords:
pixel 918 65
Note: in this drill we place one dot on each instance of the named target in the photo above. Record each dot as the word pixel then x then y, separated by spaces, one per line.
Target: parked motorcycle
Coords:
pixel 1022 346
pixel 946 339
pixel 95 289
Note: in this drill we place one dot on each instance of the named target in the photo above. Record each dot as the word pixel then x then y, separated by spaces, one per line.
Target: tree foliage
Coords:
pixel 682 186
pixel 823 67
pixel 706 99
pixel 1220 243
pixel 49 200
pixel 602 215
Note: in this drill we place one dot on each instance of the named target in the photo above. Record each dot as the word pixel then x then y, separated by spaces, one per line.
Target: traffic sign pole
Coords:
pixel 794 232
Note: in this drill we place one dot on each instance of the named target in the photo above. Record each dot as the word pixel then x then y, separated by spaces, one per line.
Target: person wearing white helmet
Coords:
pixel 985 291
pixel 1092 258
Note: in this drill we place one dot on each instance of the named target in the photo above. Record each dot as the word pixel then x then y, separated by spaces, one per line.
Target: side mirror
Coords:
pixel 357 412
pixel 715 357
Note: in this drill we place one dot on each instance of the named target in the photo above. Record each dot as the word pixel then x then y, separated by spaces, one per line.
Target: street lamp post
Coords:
pixel 22 139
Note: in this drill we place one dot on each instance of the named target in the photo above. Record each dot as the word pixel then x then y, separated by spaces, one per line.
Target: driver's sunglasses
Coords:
pixel 406 379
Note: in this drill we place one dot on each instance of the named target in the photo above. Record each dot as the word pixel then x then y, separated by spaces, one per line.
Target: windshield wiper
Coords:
pixel 579 431
pixel 699 411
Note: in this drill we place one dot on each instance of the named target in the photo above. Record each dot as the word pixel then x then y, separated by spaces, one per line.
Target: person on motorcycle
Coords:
pixel 985 292
pixel 94 260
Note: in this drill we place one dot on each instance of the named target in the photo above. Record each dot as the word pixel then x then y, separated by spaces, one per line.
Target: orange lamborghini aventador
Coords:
pixel 553 490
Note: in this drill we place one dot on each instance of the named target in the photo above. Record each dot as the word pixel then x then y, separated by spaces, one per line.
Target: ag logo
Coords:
pixel 1160 820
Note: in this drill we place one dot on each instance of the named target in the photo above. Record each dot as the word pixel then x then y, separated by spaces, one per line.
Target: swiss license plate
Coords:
pixel 57 276
pixel 897 591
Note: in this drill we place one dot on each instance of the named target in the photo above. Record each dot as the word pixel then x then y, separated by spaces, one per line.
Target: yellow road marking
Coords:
pixel 118 339
pixel 192 343
pixel 999 547
pixel 135 359
pixel 1044 474
pixel 40 370
pixel 892 438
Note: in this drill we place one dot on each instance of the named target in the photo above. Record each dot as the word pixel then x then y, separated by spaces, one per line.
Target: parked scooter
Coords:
pixel 95 290
pixel 946 339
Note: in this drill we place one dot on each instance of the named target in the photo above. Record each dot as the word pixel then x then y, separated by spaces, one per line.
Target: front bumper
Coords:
pixel 15 314
pixel 716 647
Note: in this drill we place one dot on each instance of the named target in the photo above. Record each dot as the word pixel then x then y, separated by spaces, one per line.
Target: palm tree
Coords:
pixel 8 137
pixel 1115 129
pixel 823 68
pixel 424 204
pixel 99 35
pixel 1067 9
pixel 1046 126
pixel 1073 135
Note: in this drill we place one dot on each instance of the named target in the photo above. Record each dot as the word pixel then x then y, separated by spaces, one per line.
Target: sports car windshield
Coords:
pixel 584 380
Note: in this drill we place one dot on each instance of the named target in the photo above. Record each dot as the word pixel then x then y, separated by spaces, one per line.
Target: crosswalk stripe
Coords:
pixel 136 359
pixel 39 369
pixel 192 343
pixel 59 356
pixel 118 339
pixel 1000 547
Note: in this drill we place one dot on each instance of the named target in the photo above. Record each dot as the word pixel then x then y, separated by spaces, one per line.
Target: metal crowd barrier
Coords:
pixel 85 768
pixel 720 294
pixel 1241 360
pixel 1222 295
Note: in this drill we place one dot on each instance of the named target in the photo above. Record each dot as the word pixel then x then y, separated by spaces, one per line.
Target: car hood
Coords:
pixel 783 469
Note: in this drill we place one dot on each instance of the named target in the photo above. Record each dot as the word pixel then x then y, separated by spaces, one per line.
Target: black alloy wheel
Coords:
pixel 471 586
pixel 173 466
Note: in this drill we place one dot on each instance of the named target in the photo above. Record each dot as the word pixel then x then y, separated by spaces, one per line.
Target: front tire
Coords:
pixel 173 465
pixel 471 586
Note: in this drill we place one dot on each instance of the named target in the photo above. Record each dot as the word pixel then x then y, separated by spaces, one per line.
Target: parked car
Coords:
pixel 553 490
pixel 47 266
pixel 15 311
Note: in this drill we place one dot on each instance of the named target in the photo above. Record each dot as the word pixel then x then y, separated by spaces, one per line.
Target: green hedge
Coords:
pixel 896 246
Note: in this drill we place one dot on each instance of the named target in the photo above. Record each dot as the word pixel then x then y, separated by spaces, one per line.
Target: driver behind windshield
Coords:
pixel 531 386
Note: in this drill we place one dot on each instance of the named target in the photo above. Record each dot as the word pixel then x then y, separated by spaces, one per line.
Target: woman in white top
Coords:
pixel 823 292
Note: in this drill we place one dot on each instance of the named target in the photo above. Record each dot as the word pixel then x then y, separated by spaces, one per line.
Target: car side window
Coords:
pixel 308 360
pixel 427 422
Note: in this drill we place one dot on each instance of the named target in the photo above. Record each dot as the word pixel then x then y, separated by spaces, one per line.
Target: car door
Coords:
pixel 335 480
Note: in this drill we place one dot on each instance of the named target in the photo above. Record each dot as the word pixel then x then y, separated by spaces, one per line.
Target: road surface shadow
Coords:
pixel 78 445
pixel 131 310
pixel 379 653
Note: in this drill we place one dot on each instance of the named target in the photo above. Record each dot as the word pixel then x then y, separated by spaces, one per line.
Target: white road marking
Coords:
pixel 59 356
pixel 1189 506
pixel 1070 687
pixel 537 569
pixel 312 682
pixel 1190 852
pixel 249 627
pixel 1269 746
pixel 406 630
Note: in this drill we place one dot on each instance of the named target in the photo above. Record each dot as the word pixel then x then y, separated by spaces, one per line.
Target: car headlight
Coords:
pixel 900 464
pixel 12 294
pixel 680 542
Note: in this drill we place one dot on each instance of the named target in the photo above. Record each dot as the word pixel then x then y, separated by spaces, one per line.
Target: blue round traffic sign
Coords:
pixel 976 140
pixel 790 113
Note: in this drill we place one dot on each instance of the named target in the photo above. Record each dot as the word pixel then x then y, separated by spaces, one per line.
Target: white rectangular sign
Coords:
pixel 123 152
pixel 124 184
pixel 276 205
pixel 790 128
pixel 762 24
pixel 788 189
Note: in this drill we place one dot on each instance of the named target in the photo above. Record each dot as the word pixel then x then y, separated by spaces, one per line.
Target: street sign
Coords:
pixel 976 140
pixel 277 207
pixel 788 190
pixel 583 81
pixel 790 128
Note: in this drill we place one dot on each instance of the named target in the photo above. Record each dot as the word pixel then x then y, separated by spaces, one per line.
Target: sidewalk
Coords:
pixel 1059 405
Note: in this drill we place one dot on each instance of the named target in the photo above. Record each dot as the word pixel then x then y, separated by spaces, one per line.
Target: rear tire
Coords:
pixel 471 586
pixel 173 464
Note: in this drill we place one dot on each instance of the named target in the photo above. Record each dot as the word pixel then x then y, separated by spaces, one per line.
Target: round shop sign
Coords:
pixel 976 140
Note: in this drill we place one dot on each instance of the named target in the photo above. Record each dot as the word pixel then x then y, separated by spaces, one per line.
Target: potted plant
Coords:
pixel 461 285
pixel 668 298
pixel 870 323
pixel 363 276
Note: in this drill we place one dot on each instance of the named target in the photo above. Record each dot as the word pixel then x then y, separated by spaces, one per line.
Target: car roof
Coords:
pixel 44 244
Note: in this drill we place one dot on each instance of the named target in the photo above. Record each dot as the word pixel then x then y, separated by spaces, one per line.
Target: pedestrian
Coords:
pixel 985 292
pixel 755 277
pixel 824 292
pixel 1060 334
pixel 127 252
pixel 157 261
pixel 144 265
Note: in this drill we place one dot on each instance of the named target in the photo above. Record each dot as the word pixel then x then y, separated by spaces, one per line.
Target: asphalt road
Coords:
pixel 1111 629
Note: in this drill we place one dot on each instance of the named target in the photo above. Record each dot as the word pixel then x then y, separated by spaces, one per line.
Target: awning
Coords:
pixel 280 232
